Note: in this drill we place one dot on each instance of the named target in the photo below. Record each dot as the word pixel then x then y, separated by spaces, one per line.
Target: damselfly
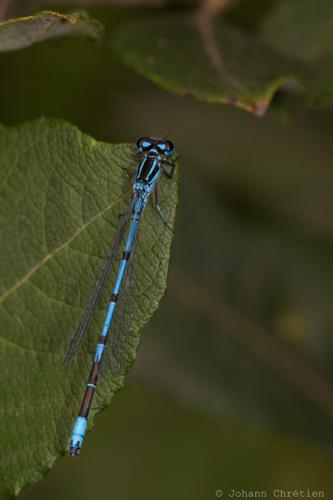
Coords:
pixel 154 156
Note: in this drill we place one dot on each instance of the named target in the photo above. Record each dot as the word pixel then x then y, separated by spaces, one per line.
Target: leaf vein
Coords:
pixel 57 250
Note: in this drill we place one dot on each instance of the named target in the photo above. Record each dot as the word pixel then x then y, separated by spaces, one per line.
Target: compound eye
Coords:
pixel 144 144
pixel 170 148
pixel 166 147
pixel 162 147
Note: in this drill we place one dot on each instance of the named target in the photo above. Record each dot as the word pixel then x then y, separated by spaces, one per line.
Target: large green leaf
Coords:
pixel 25 31
pixel 61 196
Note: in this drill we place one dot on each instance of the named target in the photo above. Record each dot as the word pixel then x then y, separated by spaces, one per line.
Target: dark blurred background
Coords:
pixel 232 388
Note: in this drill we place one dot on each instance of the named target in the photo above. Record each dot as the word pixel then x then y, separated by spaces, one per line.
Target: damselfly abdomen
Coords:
pixel 154 156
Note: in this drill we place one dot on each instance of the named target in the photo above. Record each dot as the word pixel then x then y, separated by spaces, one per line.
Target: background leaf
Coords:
pixel 228 67
pixel 234 62
pixel 61 193
pixel 25 31
pixel 302 30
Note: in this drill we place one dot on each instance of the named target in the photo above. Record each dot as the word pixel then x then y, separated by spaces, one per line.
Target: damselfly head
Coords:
pixel 164 147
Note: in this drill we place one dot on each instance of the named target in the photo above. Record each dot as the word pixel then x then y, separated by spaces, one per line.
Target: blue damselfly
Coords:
pixel 154 155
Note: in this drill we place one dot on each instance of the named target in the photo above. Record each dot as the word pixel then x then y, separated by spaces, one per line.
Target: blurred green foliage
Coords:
pixel 233 382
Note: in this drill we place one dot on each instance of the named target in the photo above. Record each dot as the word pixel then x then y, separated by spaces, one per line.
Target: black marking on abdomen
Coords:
pixel 102 339
pixel 126 255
